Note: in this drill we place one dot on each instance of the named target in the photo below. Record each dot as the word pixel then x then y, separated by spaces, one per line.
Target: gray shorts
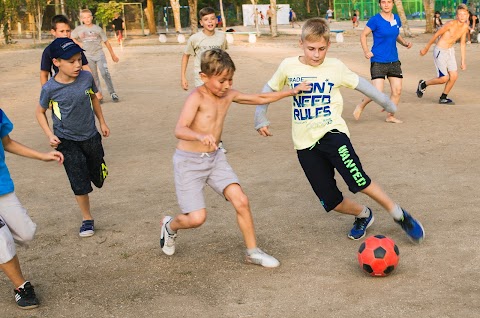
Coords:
pixel 194 170
pixel 444 60
pixel 15 226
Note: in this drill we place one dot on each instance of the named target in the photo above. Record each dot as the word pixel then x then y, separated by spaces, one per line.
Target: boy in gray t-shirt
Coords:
pixel 70 94
pixel 91 37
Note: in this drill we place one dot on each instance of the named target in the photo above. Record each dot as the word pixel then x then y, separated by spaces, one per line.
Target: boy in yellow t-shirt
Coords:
pixel 320 134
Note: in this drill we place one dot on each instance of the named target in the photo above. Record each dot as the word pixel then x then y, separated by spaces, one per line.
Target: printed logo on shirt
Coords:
pixel 314 103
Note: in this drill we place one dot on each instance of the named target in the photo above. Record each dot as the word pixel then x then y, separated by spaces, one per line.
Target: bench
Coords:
pixel 338 36
pixel 252 36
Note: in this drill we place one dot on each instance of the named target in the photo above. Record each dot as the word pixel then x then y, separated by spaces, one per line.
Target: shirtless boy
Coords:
pixel 444 54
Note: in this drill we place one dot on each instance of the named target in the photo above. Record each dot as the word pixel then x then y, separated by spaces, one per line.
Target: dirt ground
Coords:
pixel 427 164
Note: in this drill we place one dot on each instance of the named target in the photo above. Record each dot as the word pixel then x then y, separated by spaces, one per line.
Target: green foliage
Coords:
pixel 105 12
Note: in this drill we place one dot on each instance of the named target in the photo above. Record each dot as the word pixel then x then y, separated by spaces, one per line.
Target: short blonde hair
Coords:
pixel 215 62
pixel 85 11
pixel 315 29
pixel 462 6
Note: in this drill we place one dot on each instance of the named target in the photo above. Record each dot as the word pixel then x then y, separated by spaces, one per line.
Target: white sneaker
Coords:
pixel 261 258
pixel 220 146
pixel 167 240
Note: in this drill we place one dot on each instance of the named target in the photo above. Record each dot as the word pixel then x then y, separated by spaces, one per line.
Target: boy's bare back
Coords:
pixel 454 31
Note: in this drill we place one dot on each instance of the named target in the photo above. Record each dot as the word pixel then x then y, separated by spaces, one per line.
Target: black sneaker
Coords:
pixel 25 297
pixel 114 97
pixel 87 229
pixel 421 89
pixel 360 226
pixel 446 101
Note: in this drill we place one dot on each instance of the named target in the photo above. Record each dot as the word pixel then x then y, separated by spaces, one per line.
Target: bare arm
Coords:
pixel 363 41
pixel 112 54
pixel 97 109
pixel 18 149
pixel 440 32
pixel 403 42
pixel 267 98
pixel 183 74
pixel 40 113
pixel 463 46
pixel 44 77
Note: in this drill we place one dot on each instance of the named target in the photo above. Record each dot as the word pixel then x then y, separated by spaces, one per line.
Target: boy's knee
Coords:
pixel 240 201
pixel 197 219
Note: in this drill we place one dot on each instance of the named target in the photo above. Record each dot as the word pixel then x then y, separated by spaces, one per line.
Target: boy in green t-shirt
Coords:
pixel 320 134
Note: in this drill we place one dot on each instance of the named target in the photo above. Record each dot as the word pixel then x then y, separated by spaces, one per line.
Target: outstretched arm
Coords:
pixel 18 149
pixel 266 98
pixel 378 97
pixel 440 32
pixel 110 49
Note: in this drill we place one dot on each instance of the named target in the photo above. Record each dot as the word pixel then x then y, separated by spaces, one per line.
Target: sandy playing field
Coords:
pixel 427 164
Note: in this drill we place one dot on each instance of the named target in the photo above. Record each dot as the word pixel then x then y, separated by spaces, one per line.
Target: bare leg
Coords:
pixel 189 220
pixel 396 90
pixel 239 200
pixel 375 192
pixel 84 204
pixel 13 271
pixel 348 206
pixel 378 83
pixel 453 75
pixel 437 80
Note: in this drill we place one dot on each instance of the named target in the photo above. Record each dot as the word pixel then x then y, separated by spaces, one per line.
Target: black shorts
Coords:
pixel 382 70
pixel 333 151
pixel 84 163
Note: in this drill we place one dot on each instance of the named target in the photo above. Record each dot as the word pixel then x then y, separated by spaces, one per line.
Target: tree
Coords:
pixel 176 14
pixel 273 7
pixel 403 18
pixel 37 9
pixel 222 15
pixel 152 27
pixel 193 4
pixel 429 13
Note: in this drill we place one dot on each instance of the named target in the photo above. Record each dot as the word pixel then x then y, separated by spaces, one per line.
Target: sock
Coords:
pixel 250 251
pixel 397 212
pixel 423 85
pixel 169 230
pixel 23 285
pixel 444 96
pixel 364 214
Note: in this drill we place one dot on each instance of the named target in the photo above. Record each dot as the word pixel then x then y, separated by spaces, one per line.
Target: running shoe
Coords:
pixel 259 257
pixel 360 226
pixel 446 101
pixel 412 227
pixel 87 228
pixel 167 240
pixel 421 89
pixel 25 297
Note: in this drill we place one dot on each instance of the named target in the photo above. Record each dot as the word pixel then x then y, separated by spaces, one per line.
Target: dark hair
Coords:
pixel 59 18
pixel 215 61
pixel 205 11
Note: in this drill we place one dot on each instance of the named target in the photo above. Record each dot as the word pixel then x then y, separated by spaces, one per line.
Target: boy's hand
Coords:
pixel 115 58
pixel 54 141
pixel 184 84
pixel 208 140
pixel 463 66
pixel 303 86
pixel 368 55
pixel 423 51
pixel 105 130
pixel 53 156
pixel 264 131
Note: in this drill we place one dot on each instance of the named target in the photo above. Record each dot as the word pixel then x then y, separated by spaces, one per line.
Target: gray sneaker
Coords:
pixel 115 97
pixel 167 240
pixel 259 257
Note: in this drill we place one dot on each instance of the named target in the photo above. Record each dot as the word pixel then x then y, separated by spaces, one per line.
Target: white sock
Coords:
pixel 169 230
pixel 364 214
pixel 250 251
pixel 397 212
pixel 23 285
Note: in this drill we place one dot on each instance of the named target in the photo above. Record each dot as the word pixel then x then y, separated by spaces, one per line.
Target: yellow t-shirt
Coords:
pixel 315 112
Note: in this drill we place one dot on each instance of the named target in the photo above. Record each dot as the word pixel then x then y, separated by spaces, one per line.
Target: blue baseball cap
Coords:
pixel 64 48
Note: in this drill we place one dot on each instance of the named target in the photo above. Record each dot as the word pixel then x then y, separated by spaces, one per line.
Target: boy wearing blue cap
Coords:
pixel 71 96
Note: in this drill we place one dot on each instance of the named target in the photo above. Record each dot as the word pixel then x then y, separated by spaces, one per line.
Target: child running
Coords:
pixel 71 96
pixel 320 134
pixel 15 224
pixel 199 162
pixel 444 54
pixel 91 37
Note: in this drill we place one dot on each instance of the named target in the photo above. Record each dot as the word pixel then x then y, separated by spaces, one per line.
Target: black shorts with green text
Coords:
pixel 332 151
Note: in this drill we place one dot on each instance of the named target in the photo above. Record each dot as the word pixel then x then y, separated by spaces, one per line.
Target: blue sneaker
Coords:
pixel 360 226
pixel 87 228
pixel 412 227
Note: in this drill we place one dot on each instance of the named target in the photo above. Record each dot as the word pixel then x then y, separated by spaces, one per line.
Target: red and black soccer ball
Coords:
pixel 378 255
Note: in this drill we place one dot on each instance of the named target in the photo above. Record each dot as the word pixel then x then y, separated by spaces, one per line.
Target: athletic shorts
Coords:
pixel 444 60
pixel 333 151
pixel 194 170
pixel 15 226
pixel 383 70
pixel 84 163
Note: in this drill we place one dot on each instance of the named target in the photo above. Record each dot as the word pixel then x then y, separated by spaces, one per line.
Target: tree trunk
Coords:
pixel 429 15
pixel 193 15
pixel 403 18
pixel 151 17
pixel 307 4
pixel 176 15
pixel 222 15
pixel 273 7
pixel 255 16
